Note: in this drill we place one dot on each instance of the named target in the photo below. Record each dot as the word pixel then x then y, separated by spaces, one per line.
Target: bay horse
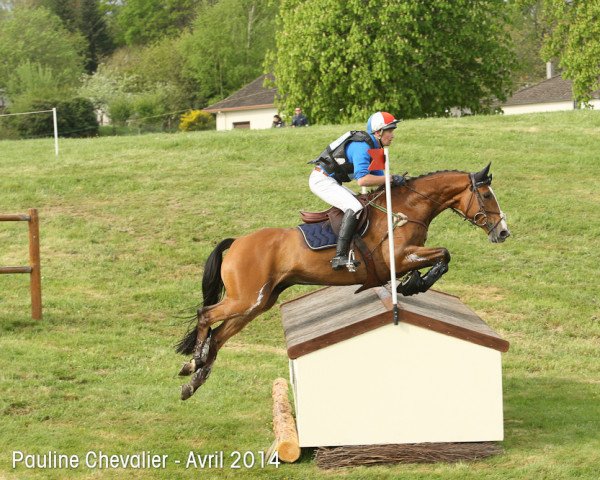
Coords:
pixel 261 265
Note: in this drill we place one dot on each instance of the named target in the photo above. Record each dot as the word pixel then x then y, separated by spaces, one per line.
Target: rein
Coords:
pixel 480 219
pixel 399 218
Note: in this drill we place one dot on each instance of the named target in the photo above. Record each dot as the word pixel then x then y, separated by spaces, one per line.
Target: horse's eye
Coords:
pixel 487 195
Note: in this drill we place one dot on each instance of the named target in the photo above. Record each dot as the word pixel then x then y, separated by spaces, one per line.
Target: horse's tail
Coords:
pixel 212 289
pixel 212 283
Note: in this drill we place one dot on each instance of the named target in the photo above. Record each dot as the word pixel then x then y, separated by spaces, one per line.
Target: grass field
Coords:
pixel 127 222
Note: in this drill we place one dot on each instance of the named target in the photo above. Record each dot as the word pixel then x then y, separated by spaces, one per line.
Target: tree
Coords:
pixel 527 28
pixel 38 36
pixel 31 83
pixel 93 27
pixel 344 59
pixel 79 16
pixel 228 44
pixel 146 21
pixel 575 40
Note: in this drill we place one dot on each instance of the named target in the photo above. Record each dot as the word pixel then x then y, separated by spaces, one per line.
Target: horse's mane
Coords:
pixel 434 173
pixel 424 175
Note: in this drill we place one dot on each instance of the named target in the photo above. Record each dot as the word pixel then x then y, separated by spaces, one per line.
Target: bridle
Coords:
pixel 480 219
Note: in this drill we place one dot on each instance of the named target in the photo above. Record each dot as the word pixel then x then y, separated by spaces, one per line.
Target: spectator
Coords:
pixel 299 119
pixel 277 122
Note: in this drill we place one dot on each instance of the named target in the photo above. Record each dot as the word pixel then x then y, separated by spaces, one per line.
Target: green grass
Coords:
pixel 127 222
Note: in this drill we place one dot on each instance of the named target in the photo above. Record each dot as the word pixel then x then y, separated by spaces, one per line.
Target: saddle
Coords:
pixel 334 215
pixel 324 228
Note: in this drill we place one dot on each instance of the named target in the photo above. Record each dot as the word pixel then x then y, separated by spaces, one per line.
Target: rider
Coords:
pixel 346 158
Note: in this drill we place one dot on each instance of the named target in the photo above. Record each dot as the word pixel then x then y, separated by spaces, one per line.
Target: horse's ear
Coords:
pixel 482 176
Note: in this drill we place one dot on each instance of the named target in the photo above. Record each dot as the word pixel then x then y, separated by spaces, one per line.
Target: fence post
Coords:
pixel 34 262
pixel 34 269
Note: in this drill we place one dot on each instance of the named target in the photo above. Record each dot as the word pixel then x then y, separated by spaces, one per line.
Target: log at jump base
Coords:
pixel 286 442
pixel 356 455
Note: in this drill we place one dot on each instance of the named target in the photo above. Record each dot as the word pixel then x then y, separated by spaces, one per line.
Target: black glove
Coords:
pixel 397 181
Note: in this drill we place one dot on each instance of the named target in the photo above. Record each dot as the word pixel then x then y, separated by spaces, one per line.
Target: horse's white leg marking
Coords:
pixel 261 295
pixel 414 258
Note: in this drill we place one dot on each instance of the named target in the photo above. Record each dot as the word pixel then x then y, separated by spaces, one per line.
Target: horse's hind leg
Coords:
pixel 234 315
pixel 202 344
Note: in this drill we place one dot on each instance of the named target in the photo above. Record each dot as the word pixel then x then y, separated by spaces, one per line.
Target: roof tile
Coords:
pixel 255 94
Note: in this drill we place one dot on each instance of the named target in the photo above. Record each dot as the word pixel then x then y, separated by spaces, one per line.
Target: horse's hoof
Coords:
pixel 410 284
pixel 186 391
pixel 187 368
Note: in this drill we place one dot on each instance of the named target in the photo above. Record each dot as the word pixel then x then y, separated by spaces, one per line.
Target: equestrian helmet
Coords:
pixel 381 121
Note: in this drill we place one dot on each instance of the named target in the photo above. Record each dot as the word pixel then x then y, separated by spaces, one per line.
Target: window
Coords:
pixel 241 124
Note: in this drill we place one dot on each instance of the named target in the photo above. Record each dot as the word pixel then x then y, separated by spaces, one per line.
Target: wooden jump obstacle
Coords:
pixel 35 277
pixel 428 389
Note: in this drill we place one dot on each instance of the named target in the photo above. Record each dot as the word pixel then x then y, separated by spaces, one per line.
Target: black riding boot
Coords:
pixel 347 230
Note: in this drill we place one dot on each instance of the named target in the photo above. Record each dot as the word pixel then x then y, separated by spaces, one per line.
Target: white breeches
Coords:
pixel 328 190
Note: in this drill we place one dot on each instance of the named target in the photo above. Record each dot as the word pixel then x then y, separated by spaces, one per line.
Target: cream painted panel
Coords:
pixel 399 384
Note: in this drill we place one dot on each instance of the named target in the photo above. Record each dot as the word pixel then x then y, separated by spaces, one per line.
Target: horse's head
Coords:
pixel 479 205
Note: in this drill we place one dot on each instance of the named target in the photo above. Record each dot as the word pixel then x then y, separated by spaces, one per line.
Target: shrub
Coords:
pixel 196 120
pixel 119 110
pixel 75 118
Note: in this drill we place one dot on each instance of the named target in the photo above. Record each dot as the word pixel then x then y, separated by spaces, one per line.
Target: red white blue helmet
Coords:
pixel 381 121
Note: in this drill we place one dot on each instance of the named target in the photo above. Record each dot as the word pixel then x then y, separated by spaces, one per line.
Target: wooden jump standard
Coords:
pixel 35 278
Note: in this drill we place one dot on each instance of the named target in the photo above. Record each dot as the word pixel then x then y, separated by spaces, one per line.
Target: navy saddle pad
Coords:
pixel 318 236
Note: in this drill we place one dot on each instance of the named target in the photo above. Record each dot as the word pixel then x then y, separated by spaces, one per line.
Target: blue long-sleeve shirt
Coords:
pixel 357 154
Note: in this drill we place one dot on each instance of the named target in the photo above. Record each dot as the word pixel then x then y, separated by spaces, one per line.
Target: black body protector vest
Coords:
pixel 333 159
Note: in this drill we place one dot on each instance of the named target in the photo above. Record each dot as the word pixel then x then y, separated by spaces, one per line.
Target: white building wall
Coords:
pixel 537 107
pixel 398 384
pixel 258 118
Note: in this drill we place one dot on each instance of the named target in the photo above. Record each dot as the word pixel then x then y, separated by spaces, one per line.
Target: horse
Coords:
pixel 259 266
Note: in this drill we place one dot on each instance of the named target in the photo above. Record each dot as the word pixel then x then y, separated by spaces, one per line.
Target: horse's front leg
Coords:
pixel 415 258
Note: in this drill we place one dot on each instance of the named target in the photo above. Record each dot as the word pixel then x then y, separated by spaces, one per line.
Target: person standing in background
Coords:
pixel 299 119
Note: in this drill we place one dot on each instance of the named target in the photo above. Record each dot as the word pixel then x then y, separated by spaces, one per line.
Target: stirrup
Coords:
pixel 348 261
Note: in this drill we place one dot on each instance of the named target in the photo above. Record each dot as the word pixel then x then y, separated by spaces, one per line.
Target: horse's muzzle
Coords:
pixel 500 232
pixel 498 235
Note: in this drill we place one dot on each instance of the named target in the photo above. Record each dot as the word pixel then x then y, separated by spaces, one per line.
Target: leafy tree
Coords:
pixel 39 37
pixel 164 63
pixel 133 72
pixel 146 21
pixel 575 40
pixel 527 27
pixel 31 83
pixel 80 16
pixel 93 26
pixel 344 59
pixel 228 44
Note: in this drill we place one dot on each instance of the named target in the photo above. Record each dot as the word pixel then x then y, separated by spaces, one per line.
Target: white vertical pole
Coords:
pixel 390 222
pixel 55 131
